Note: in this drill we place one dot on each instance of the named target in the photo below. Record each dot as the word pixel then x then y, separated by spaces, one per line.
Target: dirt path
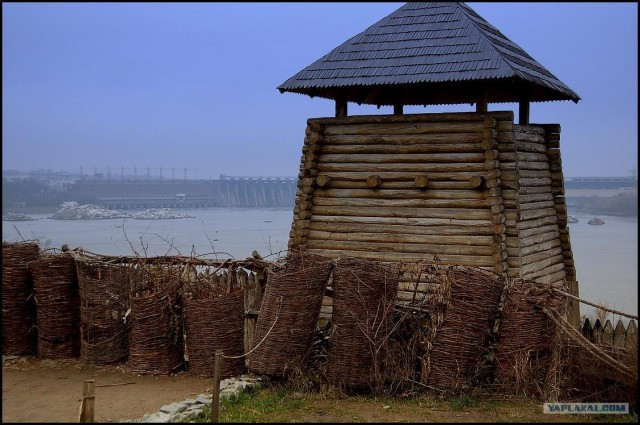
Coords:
pixel 36 390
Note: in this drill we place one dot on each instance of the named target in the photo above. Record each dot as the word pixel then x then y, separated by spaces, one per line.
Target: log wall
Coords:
pixel 464 188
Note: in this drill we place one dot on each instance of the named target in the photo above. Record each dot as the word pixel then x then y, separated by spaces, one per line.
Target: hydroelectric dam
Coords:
pixel 229 191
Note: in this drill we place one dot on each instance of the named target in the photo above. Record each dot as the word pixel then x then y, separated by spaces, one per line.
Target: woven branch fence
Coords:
pixel 104 308
pixel 214 320
pixel 524 352
pixel 289 313
pixel 19 334
pixel 463 312
pixel 156 336
pixel 364 294
pixel 57 298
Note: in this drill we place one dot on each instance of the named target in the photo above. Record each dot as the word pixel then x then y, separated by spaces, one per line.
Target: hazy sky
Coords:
pixel 194 84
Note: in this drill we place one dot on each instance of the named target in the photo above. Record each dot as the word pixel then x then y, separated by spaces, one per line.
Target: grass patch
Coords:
pixel 279 404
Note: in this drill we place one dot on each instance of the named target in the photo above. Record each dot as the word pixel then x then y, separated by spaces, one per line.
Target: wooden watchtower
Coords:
pixel 472 188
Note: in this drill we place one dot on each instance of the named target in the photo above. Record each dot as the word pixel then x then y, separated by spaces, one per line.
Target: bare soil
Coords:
pixel 36 390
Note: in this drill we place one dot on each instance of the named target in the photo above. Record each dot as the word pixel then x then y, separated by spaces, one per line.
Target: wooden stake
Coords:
pixel 87 408
pixel 215 400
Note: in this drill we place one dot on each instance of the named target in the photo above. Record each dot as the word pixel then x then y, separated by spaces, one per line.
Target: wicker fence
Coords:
pixel 19 334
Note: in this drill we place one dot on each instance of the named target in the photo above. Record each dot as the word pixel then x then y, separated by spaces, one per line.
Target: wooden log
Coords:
pixel 384 211
pixel 327 167
pixel 416 221
pixel 533 214
pixel 215 392
pixel 532 249
pixel 490 143
pixel 541 181
pixel 548 228
pixel 381 245
pixel 439 230
pixel 405 128
pixel 417 203
pixel 504 125
pixel 386 176
pixel 477 182
pixel 527 206
pixel 323 180
pixel 534 174
pixel 540 238
pixel 398 148
pixel 407 183
pixel 421 287
pixel 419 118
pixel 465 240
pixel 87 407
pixel 530 269
pixel 497 218
pixel 521 157
pixel 547 273
pixel 491 154
pixel 501 267
pixel 314 126
pixel 396 158
pixel 530 139
pixel 445 139
pixel 511 166
pixel 465 260
pixel 557 277
pixel 421 182
pixel 374 181
pixel 304 214
pixel 489 133
pixel 397 194
pixel 497 209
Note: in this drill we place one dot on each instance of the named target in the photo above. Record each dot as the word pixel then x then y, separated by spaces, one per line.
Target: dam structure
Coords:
pixel 228 191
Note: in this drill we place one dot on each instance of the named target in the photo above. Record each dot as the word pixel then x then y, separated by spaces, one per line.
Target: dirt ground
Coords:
pixel 35 390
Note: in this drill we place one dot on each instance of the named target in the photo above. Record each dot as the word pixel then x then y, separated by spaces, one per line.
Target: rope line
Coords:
pixel 630 316
pixel 263 339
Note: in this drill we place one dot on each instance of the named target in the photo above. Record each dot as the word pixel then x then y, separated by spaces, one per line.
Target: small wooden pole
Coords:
pixel 87 408
pixel 215 400
pixel 341 107
pixel 398 109
pixel 481 103
pixel 523 112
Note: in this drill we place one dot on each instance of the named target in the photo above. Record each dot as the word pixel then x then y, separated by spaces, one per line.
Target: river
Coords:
pixel 606 257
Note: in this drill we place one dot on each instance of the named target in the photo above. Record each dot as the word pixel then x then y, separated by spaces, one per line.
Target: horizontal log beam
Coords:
pixel 328 167
pixel 407 257
pixel 451 213
pixel 401 238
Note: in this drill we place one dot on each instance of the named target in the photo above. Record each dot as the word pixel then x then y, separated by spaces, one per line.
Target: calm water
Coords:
pixel 606 257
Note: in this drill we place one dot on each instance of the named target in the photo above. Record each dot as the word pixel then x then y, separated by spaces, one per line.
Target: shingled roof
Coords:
pixel 429 53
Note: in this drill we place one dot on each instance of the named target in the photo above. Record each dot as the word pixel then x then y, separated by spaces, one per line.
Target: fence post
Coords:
pixel 87 408
pixel 215 401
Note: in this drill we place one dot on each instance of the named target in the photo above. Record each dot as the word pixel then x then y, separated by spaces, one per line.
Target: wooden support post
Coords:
pixel 398 109
pixel 215 400
pixel 481 103
pixel 87 407
pixel 523 112
pixel 341 107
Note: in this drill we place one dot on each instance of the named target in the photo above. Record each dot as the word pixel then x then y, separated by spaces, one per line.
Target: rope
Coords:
pixel 601 307
pixel 564 325
pixel 263 339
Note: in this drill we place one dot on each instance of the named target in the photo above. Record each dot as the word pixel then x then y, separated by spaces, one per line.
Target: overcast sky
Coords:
pixel 193 85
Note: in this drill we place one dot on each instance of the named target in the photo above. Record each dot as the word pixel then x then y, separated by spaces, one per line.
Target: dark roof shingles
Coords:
pixel 425 42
